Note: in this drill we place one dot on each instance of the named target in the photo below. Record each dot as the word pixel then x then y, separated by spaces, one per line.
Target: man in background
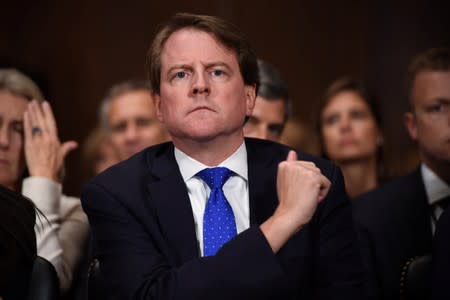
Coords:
pixel 396 222
pixel 127 115
pixel 272 107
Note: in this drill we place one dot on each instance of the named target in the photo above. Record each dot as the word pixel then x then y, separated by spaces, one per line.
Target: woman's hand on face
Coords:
pixel 44 153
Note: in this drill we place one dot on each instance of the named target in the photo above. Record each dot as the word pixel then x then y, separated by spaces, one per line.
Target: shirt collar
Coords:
pixel 236 162
pixel 435 187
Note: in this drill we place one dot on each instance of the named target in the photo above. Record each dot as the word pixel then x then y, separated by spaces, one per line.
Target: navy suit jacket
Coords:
pixel 394 225
pixel 441 258
pixel 144 235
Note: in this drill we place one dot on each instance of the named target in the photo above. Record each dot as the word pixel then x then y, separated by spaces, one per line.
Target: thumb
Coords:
pixel 67 147
pixel 292 156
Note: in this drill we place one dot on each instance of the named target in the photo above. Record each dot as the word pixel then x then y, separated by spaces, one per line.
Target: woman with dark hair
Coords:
pixel 350 134
pixel 17 244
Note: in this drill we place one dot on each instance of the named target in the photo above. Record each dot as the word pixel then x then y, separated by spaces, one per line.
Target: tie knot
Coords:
pixel 215 177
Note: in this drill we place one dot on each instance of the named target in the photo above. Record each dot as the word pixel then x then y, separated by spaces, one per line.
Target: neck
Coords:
pixel 211 152
pixel 359 176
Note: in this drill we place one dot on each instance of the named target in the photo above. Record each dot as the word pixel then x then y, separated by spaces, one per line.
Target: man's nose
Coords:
pixel 131 133
pixel 200 84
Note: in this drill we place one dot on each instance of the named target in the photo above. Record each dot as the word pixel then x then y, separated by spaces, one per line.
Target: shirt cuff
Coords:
pixel 44 193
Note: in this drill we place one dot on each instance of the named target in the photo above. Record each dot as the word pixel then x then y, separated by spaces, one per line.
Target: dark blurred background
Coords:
pixel 75 50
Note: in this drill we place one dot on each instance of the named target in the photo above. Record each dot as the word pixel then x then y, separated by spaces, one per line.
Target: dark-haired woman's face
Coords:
pixel 12 161
pixel 349 128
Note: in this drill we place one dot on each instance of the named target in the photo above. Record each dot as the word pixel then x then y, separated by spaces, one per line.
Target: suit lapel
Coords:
pixel 169 197
pixel 262 168
pixel 420 213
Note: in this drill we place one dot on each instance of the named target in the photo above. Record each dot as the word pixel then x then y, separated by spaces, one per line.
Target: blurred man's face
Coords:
pixel 429 123
pixel 133 123
pixel 267 120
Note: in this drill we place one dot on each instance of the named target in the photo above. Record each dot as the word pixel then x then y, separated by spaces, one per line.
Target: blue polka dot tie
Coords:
pixel 219 225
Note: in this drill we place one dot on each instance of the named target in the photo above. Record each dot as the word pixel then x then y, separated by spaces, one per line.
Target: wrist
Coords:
pixel 45 174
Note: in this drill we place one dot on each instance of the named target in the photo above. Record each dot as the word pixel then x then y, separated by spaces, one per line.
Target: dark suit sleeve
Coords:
pixel 441 258
pixel 340 274
pixel 136 268
pixel 367 248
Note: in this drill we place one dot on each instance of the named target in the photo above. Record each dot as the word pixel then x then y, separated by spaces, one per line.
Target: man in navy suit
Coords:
pixel 397 220
pixel 291 233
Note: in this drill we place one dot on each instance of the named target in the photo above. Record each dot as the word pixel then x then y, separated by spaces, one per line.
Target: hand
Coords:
pixel 44 153
pixel 300 186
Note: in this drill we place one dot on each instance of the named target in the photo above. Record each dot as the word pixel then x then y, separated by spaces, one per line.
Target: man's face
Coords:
pixel 12 162
pixel 267 120
pixel 133 123
pixel 202 93
pixel 429 123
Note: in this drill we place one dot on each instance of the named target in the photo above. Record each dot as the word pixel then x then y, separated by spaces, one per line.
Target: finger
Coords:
pixel 49 118
pixel 37 118
pixel 26 127
pixel 292 156
pixel 67 147
pixel 324 187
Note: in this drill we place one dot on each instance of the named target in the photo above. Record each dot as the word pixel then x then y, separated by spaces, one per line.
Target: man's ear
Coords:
pixel 410 123
pixel 157 104
pixel 250 98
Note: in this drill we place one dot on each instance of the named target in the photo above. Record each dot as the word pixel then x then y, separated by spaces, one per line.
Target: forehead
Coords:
pixel 131 104
pixel 273 109
pixel 345 100
pixel 431 85
pixel 12 105
pixel 188 45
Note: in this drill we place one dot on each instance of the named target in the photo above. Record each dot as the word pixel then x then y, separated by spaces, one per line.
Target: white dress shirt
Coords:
pixel 235 188
pixel 435 189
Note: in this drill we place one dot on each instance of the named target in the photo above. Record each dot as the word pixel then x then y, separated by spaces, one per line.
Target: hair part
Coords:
pixel 272 86
pixel 435 60
pixel 117 90
pixel 19 84
pixel 226 33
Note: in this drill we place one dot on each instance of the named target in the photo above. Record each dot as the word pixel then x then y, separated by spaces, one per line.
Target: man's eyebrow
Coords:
pixel 217 64
pixel 178 66
pixel 442 100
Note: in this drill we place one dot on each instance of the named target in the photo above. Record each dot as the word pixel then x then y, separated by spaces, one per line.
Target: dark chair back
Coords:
pixel 44 283
pixel 415 281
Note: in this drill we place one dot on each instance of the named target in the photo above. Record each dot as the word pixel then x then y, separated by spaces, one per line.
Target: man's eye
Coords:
pixel 217 73
pixel 121 127
pixel 435 107
pixel 180 74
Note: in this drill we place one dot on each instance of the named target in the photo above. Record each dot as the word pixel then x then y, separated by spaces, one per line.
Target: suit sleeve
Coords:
pixel 441 258
pixel 367 248
pixel 136 268
pixel 339 273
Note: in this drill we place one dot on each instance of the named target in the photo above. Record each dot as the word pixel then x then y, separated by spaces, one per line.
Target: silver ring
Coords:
pixel 36 131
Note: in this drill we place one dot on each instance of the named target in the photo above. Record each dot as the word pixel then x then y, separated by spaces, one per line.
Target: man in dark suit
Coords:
pixel 396 221
pixel 212 215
